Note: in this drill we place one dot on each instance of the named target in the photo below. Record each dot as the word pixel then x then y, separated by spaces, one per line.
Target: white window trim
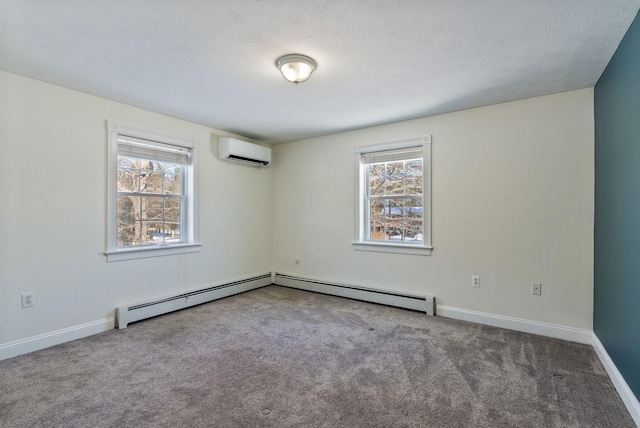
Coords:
pixel 360 243
pixel 114 253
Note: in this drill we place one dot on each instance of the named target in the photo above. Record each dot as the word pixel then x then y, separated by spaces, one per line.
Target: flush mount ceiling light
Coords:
pixel 296 68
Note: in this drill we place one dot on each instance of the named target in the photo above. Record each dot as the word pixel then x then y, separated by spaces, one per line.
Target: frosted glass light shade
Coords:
pixel 296 68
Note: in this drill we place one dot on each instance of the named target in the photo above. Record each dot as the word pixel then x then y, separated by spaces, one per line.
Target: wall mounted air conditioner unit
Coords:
pixel 230 149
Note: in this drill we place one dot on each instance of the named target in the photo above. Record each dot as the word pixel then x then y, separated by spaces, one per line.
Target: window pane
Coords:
pixel 172 184
pixel 125 162
pixel 152 232
pixel 413 230
pixel 127 180
pixel 128 234
pixel 172 209
pixel 152 208
pixel 393 208
pixel 150 180
pixel 133 167
pixel 377 208
pixel 377 231
pixel 413 180
pixel 413 208
pixel 128 213
pixel 170 168
pixel 159 232
pixel 172 231
pixel 376 179
pixel 395 178
pixel 128 208
pixel 392 212
pixel 394 229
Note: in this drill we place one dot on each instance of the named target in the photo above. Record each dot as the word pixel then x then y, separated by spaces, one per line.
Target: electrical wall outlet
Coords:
pixel 28 299
pixel 475 280
pixel 536 288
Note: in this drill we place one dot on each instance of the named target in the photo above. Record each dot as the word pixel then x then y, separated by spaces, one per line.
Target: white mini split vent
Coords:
pixel 233 150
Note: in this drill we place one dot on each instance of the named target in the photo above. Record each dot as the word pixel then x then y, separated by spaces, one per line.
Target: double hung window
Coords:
pixel 151 195
pixel 394 197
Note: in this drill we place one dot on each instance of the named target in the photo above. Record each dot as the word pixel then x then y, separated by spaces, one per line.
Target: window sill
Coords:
pixel 146 252
pixel 384 247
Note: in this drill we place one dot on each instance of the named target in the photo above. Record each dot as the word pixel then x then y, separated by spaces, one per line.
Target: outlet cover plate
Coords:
pixel 475 281
pixel 28 299
pixel 536 288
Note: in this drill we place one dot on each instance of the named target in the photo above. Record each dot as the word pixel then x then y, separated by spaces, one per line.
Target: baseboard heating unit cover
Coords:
pixel 128 314
pixel 424 303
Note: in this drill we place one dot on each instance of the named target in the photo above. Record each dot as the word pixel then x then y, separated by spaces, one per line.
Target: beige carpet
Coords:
pixel 278 357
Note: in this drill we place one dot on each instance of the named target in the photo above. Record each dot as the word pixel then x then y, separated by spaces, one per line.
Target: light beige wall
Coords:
pixel 512 202
pixel 52 212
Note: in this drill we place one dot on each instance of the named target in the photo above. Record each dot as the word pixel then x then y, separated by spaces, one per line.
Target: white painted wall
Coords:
pixel 512 202
pixel 53 207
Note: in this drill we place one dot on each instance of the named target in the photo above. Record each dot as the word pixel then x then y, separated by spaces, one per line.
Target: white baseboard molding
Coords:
pixel 139 311
pixel 518 324
pixel 424 303
pixel 41 341
pixel 144 310
pixel 628 397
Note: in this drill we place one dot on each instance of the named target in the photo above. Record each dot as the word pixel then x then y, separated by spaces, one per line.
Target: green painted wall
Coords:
pixel 616 319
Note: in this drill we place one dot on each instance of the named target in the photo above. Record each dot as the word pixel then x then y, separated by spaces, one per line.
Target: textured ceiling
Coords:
pixel 212 62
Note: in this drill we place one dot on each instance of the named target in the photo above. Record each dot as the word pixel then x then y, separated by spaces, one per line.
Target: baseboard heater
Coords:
pixel 424 304
pixel 128 314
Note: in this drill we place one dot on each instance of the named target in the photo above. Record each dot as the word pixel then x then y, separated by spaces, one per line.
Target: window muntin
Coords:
pixel 151 195
pixel 394 197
